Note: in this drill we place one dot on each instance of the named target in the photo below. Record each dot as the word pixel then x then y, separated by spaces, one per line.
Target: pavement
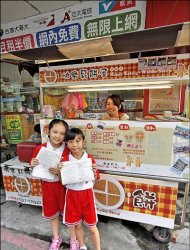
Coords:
pixel 24 228
pixel 12 239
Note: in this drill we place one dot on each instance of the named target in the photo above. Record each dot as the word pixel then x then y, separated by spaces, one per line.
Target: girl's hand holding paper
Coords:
pixel 54 171
pixel 34 162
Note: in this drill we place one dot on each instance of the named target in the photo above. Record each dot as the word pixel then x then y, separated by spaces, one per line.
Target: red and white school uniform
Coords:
pixel 79 200
pixel 53 192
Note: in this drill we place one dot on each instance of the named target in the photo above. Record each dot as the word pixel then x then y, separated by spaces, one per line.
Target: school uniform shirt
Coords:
pixel 81 185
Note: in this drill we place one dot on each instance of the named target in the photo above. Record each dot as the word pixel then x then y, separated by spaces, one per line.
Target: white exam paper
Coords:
pixel 41 172
pixel 47 159
pixel 76 171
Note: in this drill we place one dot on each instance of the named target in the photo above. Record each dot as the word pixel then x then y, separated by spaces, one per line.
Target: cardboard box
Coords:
pixel 25 150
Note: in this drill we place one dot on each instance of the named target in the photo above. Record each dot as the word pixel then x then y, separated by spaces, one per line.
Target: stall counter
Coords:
pixel 123 149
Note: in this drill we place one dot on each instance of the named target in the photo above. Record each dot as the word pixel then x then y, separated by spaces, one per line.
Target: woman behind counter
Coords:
pixel 114 109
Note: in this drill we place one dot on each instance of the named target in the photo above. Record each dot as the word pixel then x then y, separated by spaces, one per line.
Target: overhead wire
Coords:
pixel 171 13
pixel 34 7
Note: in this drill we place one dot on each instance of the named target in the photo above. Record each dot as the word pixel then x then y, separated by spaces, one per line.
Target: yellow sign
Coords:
pixel 14 129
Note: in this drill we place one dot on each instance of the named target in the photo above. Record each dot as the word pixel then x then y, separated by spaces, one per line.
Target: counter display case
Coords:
pixel 14 98
pixel 138 166
pixel 132 101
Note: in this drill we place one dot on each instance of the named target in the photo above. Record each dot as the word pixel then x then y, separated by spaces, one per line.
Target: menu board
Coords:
pixel 146 148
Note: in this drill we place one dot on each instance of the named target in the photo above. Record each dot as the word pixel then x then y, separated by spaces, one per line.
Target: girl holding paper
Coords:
pixel 79 198
pixel 53 192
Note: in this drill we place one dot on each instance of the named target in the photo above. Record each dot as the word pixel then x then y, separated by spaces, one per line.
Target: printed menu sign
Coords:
pixel 147 148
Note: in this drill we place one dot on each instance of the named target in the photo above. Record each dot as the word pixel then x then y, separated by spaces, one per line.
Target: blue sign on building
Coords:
pixel 59 35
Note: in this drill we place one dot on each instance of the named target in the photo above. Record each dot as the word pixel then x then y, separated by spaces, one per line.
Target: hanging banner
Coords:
pixel 117 70
pixel 18 43
pixel 136 147
pixel 87 20
pixel 14 130
pixel 19 184
pixel 134 199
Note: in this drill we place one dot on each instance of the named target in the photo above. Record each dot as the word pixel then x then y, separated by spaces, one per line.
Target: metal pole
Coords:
pixel 185 199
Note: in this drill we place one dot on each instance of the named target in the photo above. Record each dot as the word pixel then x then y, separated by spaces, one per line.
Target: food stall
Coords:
pixel 140 169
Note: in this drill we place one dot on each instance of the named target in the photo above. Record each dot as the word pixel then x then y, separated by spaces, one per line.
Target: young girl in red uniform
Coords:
pixel 79 198
pixel 53 192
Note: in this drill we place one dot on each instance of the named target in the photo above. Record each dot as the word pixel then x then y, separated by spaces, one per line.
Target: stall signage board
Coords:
pixel 140 200
pixel 14 130
pixel 117 70
pixel 134 199
pixel 91 19
pixel 158 149
pixel 19 184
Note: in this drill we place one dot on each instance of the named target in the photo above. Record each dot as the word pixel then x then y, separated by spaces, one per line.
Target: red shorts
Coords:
pixel 80 206
pixel 53 199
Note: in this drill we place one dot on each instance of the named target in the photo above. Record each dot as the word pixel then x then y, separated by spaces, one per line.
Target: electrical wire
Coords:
pixel 28 2
pixel 171 13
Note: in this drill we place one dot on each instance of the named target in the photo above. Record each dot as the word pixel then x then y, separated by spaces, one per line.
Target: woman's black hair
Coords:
pixel 116 101
pixel 37 128
pixel 57 121
pixel 72 133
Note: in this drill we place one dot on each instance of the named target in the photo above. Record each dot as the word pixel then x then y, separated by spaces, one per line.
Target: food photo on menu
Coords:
pixel 179 166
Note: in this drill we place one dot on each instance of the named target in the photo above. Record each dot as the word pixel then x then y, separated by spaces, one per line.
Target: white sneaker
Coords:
pixel 83 248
